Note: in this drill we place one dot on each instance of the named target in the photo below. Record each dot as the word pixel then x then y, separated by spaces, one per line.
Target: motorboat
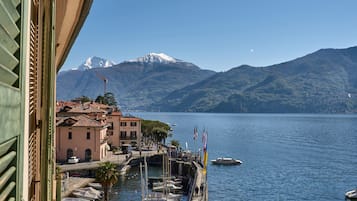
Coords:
pixel 226 161
pixel 351 195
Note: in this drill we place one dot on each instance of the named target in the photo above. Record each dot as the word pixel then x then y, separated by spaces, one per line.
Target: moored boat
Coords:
pixel 351 195
pixel 226 161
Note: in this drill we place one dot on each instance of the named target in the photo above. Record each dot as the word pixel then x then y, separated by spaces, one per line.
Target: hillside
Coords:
pixel 322 82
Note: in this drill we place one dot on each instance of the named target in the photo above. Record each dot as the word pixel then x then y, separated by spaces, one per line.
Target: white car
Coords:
pixel 73 159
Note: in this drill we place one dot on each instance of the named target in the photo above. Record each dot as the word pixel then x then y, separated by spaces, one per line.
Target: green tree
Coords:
pixel 108 99
pixel 175 143
pixel 107 174
pixel 155 131
pixel 83 99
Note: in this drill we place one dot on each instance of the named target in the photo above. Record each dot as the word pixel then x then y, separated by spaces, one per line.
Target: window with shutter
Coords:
pixel 10 93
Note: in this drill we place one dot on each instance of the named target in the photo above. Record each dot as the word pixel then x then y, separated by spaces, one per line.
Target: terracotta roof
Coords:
pixel 130 118
pixel 86 109
pixel 79 121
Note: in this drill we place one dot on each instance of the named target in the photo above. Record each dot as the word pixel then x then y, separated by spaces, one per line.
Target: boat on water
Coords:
pixel 74 199
pixel 226 161
pixel 88 193
pixel 97 186
pixel 351 195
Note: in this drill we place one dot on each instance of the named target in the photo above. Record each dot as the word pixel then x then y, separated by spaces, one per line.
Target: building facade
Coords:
pixel 130 131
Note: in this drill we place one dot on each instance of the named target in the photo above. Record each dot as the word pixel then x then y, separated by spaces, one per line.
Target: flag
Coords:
pixel 204 140
pixel 195 133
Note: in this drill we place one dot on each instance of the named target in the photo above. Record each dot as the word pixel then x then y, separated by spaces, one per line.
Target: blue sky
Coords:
pixel 215 34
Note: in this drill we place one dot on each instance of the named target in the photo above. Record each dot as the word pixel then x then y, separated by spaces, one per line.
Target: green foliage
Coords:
pixel 83 99
pixel 175 143
pixel 156 131
pixel 108 99
pixel 107 174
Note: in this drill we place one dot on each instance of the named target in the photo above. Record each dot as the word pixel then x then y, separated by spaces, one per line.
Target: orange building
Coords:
pixel 81 136
pixel 130 130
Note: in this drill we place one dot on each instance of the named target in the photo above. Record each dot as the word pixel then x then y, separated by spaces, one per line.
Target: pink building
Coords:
pixel 81 136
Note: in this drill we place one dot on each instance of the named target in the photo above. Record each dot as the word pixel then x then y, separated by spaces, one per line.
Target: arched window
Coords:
pixel 88 155
pixel 69 153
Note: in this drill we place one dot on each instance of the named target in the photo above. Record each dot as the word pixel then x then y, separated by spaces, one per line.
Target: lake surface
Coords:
pixel 285 156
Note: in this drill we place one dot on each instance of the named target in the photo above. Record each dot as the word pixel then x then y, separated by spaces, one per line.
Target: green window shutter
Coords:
pixel 10 93
pixel 7 169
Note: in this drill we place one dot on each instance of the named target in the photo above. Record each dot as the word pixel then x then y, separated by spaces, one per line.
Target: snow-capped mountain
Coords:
pixel 95 62
pixel 155 58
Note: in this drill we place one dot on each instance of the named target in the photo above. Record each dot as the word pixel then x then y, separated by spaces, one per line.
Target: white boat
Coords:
pixel 74 199
pixel 97 186
pixel 351 195
pixel 226 161
pixel 177 183
pixel 124 170
pixel 88 193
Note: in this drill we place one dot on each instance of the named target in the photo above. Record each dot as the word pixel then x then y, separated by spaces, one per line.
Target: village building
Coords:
pixel 130 131
pixel 81 136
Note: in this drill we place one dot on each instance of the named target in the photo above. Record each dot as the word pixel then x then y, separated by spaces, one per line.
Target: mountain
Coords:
pixel 94 62
pixel 135 83
pixel 322 82
pixel 155 58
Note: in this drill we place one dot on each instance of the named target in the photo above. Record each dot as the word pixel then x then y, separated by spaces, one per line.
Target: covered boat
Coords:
pixel 226 161
pixel 351 195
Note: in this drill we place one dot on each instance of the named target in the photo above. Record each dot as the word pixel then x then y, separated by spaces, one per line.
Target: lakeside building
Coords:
pixel 35 39
pixel 130 131
pixel 81 136
pixel 121 130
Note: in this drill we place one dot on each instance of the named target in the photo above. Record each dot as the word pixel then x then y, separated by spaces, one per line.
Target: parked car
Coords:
pixel 73 159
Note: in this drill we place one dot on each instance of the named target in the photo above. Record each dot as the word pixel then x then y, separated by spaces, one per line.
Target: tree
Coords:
pixel 108 99
pixel 155 131
pixel 107 174
pixel 175 143
pixel 82 99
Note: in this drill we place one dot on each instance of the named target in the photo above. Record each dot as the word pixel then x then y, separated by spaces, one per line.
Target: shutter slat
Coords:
pixel 7 76
pixel 4 147
pixel 7 22
pixel 7 42
pixel 5 160
pixel 7 191
pixel 16 2
pixel 11 10
pixel 9 60
pixel 6 176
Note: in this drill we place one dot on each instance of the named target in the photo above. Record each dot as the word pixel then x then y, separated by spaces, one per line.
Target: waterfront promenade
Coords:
pixel 119 159
pixel 72 183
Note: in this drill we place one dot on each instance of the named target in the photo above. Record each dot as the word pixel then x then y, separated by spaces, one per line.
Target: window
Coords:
pixel 111 126
pixel 132 124
pixel 122 123
pixel 123 134
pixel 132 134
pixel 88 135
pixel 70 135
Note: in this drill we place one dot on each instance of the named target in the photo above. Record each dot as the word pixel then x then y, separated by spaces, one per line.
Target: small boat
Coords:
pixel 88 193
pixel 97 186
pixel 226 161
pixel 351 195
pixel 124 170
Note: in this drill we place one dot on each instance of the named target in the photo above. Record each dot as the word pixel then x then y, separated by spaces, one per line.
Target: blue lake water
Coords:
pixel 285 156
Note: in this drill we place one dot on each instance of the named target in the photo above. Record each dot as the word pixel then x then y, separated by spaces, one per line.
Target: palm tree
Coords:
pixel 107 174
